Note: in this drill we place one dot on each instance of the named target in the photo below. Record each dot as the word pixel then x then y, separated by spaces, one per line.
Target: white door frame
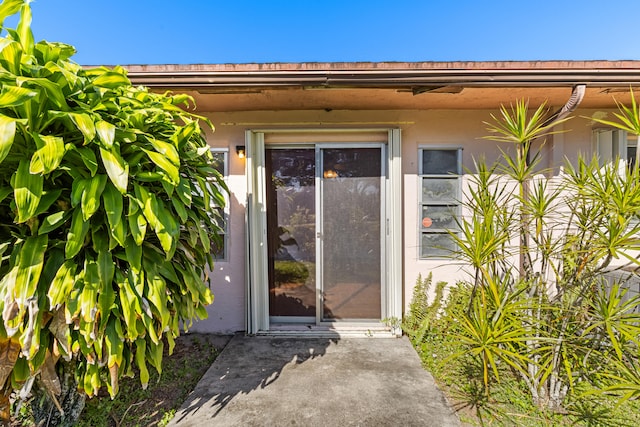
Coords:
pixel 257 298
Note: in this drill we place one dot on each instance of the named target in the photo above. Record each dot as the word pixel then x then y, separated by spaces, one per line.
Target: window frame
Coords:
pixel 454 202
pixel 223 257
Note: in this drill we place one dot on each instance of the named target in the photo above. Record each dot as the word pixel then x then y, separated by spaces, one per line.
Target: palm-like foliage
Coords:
pixel 105 217
pixel 539 247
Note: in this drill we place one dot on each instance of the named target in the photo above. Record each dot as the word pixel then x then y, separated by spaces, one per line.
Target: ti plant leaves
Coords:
pixel 101 187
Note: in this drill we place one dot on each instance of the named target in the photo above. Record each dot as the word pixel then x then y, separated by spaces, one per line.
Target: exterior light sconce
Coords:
pixel 330 174
pixel 241 151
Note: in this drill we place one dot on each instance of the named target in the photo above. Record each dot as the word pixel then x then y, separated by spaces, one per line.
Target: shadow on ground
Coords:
pixel 316 382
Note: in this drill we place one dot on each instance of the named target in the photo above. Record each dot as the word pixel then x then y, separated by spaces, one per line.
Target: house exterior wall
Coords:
pixel 420 129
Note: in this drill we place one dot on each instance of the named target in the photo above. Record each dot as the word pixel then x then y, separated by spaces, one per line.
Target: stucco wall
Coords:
pixel 430 128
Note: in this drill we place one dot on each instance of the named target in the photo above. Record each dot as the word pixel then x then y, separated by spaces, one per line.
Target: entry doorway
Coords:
pixel 325 224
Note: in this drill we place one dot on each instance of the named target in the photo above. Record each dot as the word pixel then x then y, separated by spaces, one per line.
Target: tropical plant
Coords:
pixel 106 219
pixel 539 247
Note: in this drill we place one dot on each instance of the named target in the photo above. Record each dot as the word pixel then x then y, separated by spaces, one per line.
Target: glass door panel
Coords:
pixel 351 232
pixel 291 233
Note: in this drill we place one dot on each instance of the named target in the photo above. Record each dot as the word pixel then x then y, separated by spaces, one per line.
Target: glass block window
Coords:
pixel 220 159
pixel 440 177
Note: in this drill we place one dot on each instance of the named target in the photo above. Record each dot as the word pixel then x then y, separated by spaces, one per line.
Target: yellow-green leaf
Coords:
pixel 27 190
pixel 30 266
pixel 113 206
pixel 141 349
pixel 48 155
pixel 7 135
pixel 12 96
pixel 24 29
pixel 77 233
pixel 106 132
pixel 111 80
pixel 8 8
pixel 85 125
pixel 166 149
pixel 62 283
pixel 166 165
pixel 116 168
pixel 53 221
pixel 90 200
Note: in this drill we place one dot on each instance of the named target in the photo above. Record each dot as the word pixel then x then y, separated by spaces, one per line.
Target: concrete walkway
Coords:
pixel 269 381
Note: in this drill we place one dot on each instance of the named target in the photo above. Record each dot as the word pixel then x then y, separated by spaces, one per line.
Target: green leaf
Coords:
pixel 8 8
pixel 77 233
pixel 89 159
pixel 89 295
pixel 137 224
pixel 157 295
pixel 13 96
pixel 113 205
pixel 141 349
pixel 49 154
pixel 7 135
pixel 85 125
pixel 134 255
pixel 77 189
pixel 111 80
pixel 166 165
pixel 54 221
pixel 166 149
pixel 27 190
pixel 62 283
pixel 47 199
pixel 24 29
pixel 90 201
pixel 53 90
pixel 117 169
pixel 30 267
pixel 106 132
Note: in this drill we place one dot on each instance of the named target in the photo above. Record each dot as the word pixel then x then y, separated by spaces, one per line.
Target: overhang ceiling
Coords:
pixel 386 86
pixel 392 99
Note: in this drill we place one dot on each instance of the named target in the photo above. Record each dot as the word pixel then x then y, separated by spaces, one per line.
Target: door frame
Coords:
pixel 256 262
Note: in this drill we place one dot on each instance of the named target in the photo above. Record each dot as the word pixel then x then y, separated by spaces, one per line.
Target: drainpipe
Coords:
pixel 577 94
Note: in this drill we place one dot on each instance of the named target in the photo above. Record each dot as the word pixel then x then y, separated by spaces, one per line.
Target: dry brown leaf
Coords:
pixel 60 330
pixel 5 409
pixel 48 375
pixel 113 372
pixel 9 351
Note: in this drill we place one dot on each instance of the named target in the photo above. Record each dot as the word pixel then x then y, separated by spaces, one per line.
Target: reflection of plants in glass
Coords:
pixel 302 225
pixel 290 272
pixel 352 226
pixel 442 217
pixel 439 189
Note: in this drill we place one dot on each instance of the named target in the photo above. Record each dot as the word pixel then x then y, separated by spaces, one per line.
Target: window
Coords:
pixel 220 158
pixel 612 143
pixel 440 175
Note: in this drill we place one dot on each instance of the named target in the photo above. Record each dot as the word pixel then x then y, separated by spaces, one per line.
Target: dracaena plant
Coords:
pixel 539 247
pixel 106 218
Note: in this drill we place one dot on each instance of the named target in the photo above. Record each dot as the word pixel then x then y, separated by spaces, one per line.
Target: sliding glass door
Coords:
pixel 325 225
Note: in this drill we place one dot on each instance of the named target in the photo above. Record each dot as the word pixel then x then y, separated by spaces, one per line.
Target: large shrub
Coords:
pixel 540 248
pixel 105 218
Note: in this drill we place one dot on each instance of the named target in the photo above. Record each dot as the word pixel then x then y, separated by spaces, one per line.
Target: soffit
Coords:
pixel 382 86
pixel 392 99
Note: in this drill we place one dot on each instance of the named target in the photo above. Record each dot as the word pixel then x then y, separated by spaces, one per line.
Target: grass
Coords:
pixel 510 403
pixel 157 405
pixel 431 329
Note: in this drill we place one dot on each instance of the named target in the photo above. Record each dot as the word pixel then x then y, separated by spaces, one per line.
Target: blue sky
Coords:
pixel 238 31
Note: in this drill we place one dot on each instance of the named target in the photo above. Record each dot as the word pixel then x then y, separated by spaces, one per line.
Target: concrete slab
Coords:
pixel 275 381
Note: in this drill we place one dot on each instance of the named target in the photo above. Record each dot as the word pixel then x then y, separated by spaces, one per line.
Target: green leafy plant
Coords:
pixel 421 315
pixel 106 218
pixel 540 247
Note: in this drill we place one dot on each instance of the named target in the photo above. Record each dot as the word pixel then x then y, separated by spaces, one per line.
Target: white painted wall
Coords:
pixel 463 128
